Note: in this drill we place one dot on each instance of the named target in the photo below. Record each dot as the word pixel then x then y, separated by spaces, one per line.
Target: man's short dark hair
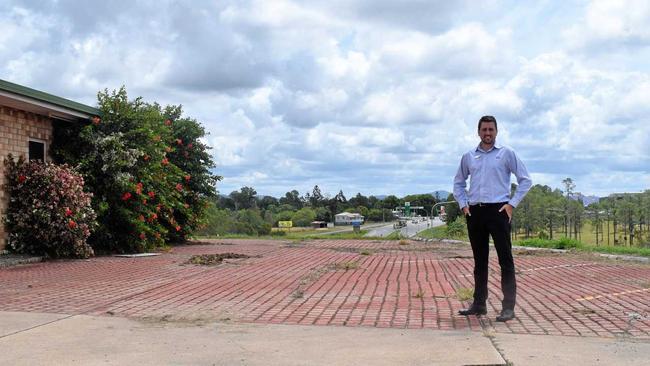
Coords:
pixel 488 119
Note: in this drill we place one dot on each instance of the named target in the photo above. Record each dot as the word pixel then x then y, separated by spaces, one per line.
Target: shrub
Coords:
pixel 303 217
pixel 48 213
pixel 456 228
pixel 563 243
pixel 147 169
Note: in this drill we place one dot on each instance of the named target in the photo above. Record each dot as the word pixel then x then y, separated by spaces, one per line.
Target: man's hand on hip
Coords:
pixel 466 211
pixel 508 207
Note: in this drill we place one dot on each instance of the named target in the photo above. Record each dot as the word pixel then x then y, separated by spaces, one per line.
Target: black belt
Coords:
pixel 488 204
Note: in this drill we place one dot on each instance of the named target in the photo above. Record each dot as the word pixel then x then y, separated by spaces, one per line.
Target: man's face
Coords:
pixel 488 133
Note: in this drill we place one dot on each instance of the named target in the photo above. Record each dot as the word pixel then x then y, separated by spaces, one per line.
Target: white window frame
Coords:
pixel 30 139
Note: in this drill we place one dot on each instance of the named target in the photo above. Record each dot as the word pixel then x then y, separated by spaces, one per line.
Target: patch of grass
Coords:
pixel 213 259
pixel 464 294
pixel 440 232
pixel 344 266
pixel 566 243
pixel 404 242
pixel 395 235
pixel 365 252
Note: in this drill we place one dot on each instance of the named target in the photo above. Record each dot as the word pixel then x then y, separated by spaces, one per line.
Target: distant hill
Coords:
pixel 586 200
pixel 440 195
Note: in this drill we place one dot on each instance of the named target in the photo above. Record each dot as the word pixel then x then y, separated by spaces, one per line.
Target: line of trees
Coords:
pixel 245 212
pixel 620 219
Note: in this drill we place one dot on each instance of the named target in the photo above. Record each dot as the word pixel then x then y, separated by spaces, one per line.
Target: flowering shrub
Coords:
pixel 144 196
pixel 48 213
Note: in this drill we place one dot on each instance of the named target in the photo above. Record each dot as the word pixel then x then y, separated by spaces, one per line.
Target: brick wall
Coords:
pixel 16 128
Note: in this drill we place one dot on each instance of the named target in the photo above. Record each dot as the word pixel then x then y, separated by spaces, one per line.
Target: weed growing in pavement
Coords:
pixel 404 242
pixel 365 252
pixel 345 266
pixel 464 294
pixel 419 294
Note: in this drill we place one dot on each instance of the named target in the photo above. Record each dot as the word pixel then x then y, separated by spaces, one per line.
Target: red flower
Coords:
pixel 188 177
pixel 179 142
pixel 141 218
pixel 96 120
pixel 142 236
pixel 138 188
pixel 68 212
pixel 158 207
pixel 126 196
pixel 151 194
pixel 22 178
pixel 189 146
pixel 178 228
pixel 146 157
pixel 168 122
pixel 144 201
pixel 72 224
pixel 179 187
pixel 165 161
pixel 152 218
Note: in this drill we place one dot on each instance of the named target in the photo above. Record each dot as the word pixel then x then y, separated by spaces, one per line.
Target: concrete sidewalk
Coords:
pixel 88 340
pixel 57 339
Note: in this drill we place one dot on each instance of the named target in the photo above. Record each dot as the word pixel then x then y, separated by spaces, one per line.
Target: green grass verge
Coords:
pixel 440 232
pixel 306 234
pixel 565 243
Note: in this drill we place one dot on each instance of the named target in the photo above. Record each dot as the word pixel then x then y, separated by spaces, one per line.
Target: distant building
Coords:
pixel 347 218
pixel 319 224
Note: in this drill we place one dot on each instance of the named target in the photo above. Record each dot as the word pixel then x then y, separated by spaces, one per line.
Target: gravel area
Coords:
pixel 10 260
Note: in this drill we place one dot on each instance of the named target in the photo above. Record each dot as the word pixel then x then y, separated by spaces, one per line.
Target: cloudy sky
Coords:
pixel 370 96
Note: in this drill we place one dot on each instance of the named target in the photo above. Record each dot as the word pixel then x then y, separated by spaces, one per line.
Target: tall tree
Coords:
pixel 292 198
pixel 316 198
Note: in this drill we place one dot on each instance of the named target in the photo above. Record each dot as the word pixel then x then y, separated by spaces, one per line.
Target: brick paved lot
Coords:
pixel 340 282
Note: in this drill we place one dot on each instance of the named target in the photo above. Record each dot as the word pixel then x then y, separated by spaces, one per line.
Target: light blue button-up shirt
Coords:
pixel 489 173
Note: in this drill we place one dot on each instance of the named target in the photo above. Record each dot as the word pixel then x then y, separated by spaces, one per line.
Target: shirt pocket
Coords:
pixel 475 164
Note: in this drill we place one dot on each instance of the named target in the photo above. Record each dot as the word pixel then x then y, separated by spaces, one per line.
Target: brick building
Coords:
pixel 26 120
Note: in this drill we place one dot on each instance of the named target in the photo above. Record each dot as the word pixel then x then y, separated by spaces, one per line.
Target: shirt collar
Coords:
pixel 496 146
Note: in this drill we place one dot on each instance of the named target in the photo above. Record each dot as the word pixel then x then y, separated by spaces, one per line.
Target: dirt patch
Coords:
pixel 187 320
pixel 307 280
pixel 343 266
pixel 203 242
pixel 214 259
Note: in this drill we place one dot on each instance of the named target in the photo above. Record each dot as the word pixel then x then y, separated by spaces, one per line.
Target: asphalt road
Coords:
pixel 410 230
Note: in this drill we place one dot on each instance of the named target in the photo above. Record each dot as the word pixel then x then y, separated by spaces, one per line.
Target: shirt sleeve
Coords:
pixel 524 182
pixel 460 183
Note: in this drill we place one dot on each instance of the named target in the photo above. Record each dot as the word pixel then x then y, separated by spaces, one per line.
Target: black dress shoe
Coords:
pixel 506 314
pixel 473 310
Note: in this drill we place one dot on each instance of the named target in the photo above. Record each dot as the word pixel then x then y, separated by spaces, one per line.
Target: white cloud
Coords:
pixel 611 24
pixel 365 96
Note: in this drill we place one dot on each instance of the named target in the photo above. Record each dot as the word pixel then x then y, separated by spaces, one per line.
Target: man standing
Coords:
pixel 488 210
